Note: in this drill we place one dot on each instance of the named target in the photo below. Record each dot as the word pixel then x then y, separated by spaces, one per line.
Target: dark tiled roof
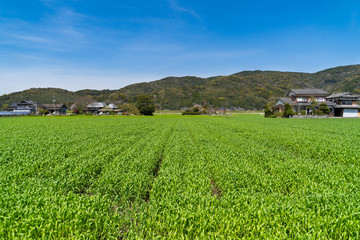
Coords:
pixel 343 94
pixel 329 103
pixel 13 105
pixel 287 100
pixel 51 106
pixel 309 91
pixel 26 102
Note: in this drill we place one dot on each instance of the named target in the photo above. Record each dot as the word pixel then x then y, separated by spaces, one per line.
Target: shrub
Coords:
pixel 288 111
pixel 268 112
pixel 129 109
pixel 323 109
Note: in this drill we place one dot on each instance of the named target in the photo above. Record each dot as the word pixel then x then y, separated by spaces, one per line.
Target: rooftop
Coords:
pixel 286 100
pixel 309 91
pixel 343 94
pixel 112 106
pixel 97 105
pixel 26 102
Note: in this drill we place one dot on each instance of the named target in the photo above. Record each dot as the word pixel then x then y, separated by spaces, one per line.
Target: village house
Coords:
pixel 346 104
pixel 56 109
pixel 339 104
pixel 300 100
pixel 95 107
pixel 111 108
pixel 24 107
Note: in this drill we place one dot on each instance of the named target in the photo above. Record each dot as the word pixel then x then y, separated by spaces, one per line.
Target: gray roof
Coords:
pixel 112 106
pixel 13 105
pixel 343 94
pixel 51 106
pixel 309 91
pixel 329 103
pixel 286 100
pixel 26 102
pixel 96 105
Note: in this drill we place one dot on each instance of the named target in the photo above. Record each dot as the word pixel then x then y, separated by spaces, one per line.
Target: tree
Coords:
pixel 4 106
pixel 323 109
pixel 288 111
pixel 268 111
pixel 129 109
pixel 101 98
pixel 118 97
pixel 313 105
pixel 43 112
pixel 145 105
pixel 81 103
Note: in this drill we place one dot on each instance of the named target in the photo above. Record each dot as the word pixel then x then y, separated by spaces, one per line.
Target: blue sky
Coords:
pixel 78 44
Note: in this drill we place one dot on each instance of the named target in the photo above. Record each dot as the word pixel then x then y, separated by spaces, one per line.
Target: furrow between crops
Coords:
pixel 216 191
pixel 158 163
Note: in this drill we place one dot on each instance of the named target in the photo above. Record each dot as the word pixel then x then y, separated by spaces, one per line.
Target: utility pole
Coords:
pixel 54 101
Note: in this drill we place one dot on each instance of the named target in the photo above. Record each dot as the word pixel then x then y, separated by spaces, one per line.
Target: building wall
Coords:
pixel 63 110
pixel 280 108
pixel 308 98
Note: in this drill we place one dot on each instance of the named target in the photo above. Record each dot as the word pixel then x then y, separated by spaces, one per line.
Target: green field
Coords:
pixel 179 177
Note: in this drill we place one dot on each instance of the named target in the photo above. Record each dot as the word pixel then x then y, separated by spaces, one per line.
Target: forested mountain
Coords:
pixel 248 89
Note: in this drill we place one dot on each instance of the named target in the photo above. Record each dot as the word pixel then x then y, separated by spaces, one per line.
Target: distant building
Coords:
pixel 23 108
pixel 345 104
pixel 340 104
pixel 300 100
pixel 95 107
pixel 11 107
pixel 198 106
pixel 111 108
pixel 236 109
pixel 57 109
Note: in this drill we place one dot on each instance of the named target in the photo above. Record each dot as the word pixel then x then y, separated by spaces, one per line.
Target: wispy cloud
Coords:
pixel 66 21
pixel 174 5
pixel 62 29
pixel 31 38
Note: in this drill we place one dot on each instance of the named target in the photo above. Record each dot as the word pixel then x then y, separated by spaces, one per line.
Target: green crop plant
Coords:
pixel 179 177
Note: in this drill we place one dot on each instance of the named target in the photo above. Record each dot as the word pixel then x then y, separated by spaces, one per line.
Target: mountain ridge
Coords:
pixel 248 89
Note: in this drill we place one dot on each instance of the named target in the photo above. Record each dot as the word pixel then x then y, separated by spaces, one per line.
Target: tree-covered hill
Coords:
pixel 248 89
pixel 40 95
